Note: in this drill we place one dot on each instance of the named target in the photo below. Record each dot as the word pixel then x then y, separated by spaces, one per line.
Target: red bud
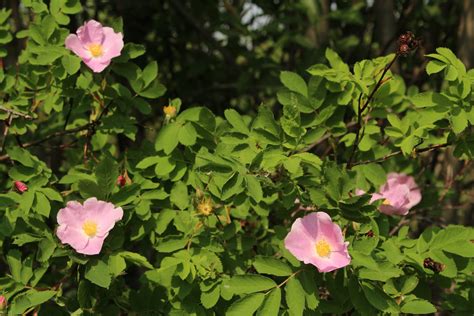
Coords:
pixel 121 181
pixel 20 186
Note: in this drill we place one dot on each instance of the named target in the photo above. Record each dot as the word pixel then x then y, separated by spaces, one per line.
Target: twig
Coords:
pixel 16 113
pixel 8 122
pixel 361 109
pixel 365 162
pixel 401 223
pixel 322 139
pixel 53 135
pixel 288 278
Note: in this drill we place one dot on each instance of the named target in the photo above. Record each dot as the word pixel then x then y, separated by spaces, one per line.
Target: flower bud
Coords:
pixel 3 302
pixel 121 181
pixel 20 186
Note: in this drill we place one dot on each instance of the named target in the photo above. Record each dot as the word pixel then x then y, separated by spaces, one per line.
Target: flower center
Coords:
pixel 386 202
pixel 169 110
pixel 96 50
pixel 323 248
pixel 90 228
pixel 205 207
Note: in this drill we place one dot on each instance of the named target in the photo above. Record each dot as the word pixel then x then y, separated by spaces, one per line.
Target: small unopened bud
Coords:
pixel 121 181
pixel 3 302
pixel 20 186
pixel 170 111
pixel 370 233
pixel 205 207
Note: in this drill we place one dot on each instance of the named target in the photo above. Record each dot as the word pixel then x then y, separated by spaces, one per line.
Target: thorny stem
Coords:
pixel 416 151
pixel 361 109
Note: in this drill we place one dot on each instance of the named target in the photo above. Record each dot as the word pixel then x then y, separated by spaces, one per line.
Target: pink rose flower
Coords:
pixel 85 227
pixel 315 239
pixel 400 193
pixel 95 45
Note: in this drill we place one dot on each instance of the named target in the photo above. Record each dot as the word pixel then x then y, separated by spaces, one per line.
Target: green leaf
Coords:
pixel 42 205
pixel 150 73
pixel 379 299
pixel 71 64
pixel 171 243
pixel 164 218
pixel 235 119
pixel 89 188
pixel 116 264
pixel 272 266
pixel 374 173
pixel 28 299
pixel 295 296
pixel 148 162
pixel 250 283
pixel 254 188
pixel 166 139
pixel 271 304
pixel 431 99
pixel 418 306
pixel 246 306
pixel 435 66
pixel 409 284
pixel 155 90
pixel 210 298
pixel 98 273
pixel 187 135
pixel 136 259
pixel 294 82
pixel 179 195
pixel 21 155
pixel 46 248
pixel 14 262
pixel 107 173
pixel 335 61
pixel 459 120
pixel 358 298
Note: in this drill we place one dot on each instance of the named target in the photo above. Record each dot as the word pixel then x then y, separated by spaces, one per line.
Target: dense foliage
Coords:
pixel 208 199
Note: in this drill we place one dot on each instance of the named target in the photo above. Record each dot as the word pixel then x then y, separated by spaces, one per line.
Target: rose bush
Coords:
pixel 106 208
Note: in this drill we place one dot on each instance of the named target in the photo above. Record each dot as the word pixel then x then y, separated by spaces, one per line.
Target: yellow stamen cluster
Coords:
pixel 170 111
pixel 386 202
pixel 323 249
pixel 96 50
pixel 205 207
pixel 90 228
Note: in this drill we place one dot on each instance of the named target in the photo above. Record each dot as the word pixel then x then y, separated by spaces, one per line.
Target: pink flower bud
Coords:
pixel 3 302
pixel 121 181
pixel 20 186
